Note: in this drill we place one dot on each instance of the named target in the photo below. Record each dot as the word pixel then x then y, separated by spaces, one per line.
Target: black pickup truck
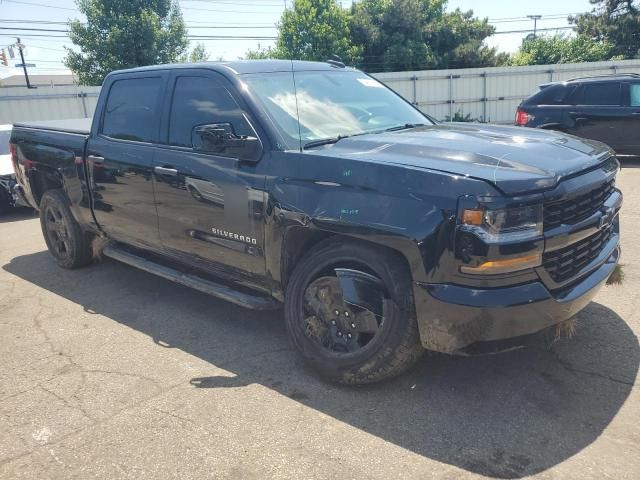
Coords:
pixel 313 185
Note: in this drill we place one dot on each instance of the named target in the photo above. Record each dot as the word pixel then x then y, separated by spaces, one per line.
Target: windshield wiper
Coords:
pixel 406 126
pixel 324 141
pixel 329 141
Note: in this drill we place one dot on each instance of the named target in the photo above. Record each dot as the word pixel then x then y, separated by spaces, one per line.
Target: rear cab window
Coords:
pixel 131 111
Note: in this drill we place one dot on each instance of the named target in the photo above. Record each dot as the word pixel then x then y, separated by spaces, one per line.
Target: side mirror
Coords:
pixel 221 138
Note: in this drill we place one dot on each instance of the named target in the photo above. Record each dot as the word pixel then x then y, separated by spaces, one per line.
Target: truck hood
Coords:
pixel 515 160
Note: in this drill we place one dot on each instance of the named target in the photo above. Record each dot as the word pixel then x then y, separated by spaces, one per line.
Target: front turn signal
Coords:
pixel 509 265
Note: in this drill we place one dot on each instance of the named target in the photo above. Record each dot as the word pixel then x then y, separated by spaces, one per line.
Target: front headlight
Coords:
pixel 504 224
pixel 518 226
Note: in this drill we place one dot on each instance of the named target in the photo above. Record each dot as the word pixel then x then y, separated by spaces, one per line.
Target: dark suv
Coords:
pixel 604 108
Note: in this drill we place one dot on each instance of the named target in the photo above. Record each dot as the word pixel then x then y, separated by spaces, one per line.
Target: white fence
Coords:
pixel 46 103
pixel 486 94
pixel 489 94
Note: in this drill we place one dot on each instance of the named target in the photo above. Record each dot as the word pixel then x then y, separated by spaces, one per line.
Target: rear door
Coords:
pixel 209 195
pixel 120 156
pixel 598 113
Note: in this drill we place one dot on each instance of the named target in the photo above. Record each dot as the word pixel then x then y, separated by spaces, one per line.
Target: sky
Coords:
pixel 249 18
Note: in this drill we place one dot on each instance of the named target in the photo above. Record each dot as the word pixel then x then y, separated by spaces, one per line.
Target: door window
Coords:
pixel 131 110
pixel 552 95
pixel 601 94
pixel 634 94
pixel 202 107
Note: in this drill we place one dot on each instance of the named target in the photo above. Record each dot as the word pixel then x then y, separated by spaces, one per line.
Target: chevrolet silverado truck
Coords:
pixel 313 185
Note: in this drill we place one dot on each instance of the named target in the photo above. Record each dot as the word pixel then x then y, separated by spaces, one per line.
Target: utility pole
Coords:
pixel 535 19
pixel 21 47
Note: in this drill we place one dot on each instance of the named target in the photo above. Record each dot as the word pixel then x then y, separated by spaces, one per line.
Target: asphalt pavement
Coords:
pixel 109 372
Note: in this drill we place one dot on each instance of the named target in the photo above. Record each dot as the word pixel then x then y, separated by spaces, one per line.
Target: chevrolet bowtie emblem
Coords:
pixel 607 217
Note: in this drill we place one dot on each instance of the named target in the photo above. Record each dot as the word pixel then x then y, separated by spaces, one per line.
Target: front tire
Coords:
pixel 66 241
pixel 321 324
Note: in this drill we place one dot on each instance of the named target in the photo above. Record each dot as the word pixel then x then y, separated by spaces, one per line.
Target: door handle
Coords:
pixel 95 159
pixel 166 171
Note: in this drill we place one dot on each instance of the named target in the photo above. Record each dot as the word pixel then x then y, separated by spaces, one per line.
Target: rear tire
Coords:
pixel 66 241
pixel 393 348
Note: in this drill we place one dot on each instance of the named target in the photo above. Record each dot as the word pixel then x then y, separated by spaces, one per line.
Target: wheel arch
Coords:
pixel 42 179
pixel 297 242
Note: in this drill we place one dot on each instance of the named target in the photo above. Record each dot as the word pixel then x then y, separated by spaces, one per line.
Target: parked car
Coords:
pixel 604 108
pixel 381 231
pixel 9 198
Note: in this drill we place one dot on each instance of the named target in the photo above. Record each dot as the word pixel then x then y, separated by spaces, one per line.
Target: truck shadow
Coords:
pixel 18 214
pixel 503 416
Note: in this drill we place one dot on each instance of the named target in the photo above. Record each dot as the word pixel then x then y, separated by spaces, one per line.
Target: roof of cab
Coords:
pixel 241 67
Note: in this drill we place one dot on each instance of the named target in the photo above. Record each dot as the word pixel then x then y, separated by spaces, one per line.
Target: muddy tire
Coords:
pixel 321 324
pixel 66 241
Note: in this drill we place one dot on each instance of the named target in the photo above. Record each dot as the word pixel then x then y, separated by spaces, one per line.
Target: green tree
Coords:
pixel 313 30
pixel 124 34
pixel 262 53
pixel 198 54
pixel 616 22
pixel 419 34
pixel 546 50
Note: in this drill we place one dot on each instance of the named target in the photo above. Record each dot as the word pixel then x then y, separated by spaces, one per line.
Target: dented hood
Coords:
pixel 516 160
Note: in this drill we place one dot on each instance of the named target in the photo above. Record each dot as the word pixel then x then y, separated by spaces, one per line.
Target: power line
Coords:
pixel 222 2
pixel 41 5
pixel 529 30
pixel 522 20
pixel 188 25
pixel 35 35
pixel 29 29
pixel 217 10
pixel 524 17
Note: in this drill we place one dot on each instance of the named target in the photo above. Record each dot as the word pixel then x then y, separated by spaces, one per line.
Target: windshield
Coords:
pixel 5 135
pixel 330 104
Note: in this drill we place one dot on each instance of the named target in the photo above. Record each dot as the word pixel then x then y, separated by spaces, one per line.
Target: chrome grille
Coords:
pixel 578 208
pixel 565 263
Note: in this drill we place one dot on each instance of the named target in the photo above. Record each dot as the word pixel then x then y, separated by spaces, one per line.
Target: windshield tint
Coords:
pixel 5 135
pixel 330 104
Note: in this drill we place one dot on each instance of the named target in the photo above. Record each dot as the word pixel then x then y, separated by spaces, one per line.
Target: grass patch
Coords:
pixel 617 277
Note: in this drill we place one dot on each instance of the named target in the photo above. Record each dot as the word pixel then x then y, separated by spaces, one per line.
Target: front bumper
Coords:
pixel 451 317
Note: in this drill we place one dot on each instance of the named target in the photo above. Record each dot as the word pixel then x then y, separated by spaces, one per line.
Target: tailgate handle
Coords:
pixel 166 171
pixel 95 159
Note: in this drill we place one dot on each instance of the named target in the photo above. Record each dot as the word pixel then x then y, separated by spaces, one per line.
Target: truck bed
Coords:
pixel 80 126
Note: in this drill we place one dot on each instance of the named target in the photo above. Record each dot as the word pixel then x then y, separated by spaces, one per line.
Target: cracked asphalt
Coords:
pixel 109 372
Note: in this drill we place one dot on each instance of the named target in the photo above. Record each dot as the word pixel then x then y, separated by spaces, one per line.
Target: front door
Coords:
pixel 209 197
pixel 630 144
pixel 598 114
pixel 120 159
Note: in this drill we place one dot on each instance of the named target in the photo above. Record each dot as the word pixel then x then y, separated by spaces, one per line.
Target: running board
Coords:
pixel 246 300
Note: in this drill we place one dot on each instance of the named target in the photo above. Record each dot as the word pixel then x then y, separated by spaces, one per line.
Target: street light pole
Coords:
pixel 535 19
pixel 20 46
